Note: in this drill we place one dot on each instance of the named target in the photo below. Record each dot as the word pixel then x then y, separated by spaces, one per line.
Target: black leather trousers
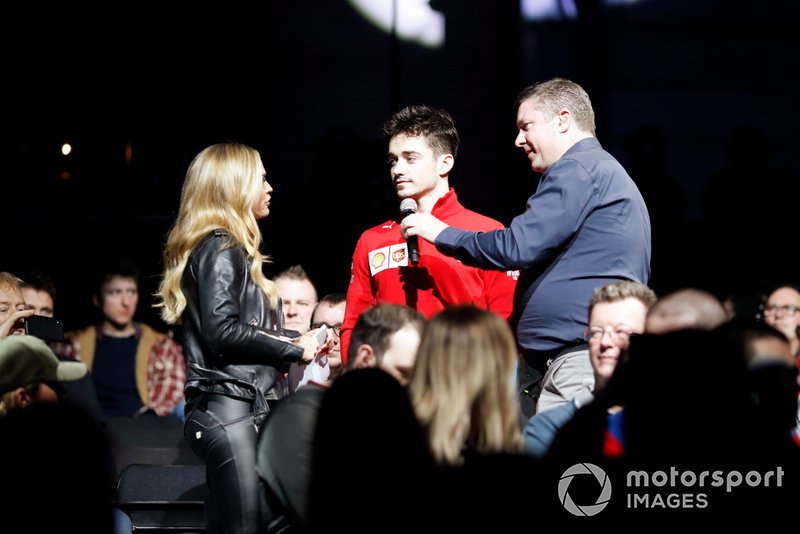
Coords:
pixel 222 432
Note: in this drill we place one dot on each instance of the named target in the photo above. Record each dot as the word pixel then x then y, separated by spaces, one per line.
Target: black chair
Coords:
pixel 148 439
pixel 163 498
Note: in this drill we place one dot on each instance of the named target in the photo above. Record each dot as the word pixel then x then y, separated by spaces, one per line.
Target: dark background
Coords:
pixel 698 98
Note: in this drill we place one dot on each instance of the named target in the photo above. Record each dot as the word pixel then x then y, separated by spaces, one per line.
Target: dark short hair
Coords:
pixel 39 280
pixel 435 125
pixel 123 268
pixel 332 299
pixel 376 325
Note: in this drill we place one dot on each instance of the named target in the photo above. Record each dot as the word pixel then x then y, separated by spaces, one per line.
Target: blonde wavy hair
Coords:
pixel 462 384
pixel 223 183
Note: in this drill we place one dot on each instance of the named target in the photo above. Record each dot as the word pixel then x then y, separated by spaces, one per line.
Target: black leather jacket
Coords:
pixel 224 323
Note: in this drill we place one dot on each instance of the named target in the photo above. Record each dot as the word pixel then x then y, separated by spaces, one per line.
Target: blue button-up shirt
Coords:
pixel 585 225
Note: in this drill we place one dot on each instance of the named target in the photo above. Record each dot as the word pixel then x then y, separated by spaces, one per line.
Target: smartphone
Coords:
pixel 45 328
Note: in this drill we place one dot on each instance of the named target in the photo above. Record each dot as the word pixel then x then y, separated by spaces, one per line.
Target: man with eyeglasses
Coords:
pixel 328 312
pixel 616 311
pixel 12 306
pixel 780 311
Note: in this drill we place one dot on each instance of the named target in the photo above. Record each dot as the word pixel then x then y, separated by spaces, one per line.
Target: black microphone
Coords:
pixel 407 207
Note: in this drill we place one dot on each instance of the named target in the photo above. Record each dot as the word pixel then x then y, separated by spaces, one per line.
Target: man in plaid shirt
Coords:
pixel 135 368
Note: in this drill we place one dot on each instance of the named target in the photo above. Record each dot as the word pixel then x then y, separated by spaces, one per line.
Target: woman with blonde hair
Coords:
pixel 235 346
pixel 462 385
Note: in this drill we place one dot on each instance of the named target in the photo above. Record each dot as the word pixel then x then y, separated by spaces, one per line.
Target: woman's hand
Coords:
pixel 311 346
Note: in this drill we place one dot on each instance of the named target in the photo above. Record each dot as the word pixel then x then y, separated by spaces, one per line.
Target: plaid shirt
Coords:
pixel 166 376
pixel 160 382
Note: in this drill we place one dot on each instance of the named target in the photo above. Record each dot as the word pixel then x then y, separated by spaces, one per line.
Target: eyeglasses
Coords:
pixel 617 334
pixel 335 327
pixel 787 309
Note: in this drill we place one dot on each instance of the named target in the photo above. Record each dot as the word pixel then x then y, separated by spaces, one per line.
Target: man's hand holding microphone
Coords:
pixel 416 224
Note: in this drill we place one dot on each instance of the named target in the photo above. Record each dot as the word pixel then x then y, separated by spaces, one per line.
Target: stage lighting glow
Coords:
pixel 536 10
pixel 414 20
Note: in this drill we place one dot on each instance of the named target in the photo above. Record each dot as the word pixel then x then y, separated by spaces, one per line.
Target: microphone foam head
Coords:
pixel 408 204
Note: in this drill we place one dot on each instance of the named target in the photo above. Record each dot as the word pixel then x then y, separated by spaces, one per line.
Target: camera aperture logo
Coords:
pixel 602 499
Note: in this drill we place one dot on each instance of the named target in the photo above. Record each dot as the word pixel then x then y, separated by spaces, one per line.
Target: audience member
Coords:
pixel 53 451
pixel 684 421
pixel 773 371
pixel 585 225
pixel 596 429
pixel 369 446
pixel 687 308
pixel 328 312
pixel 13 310
pixel 298 297
pixel 39 292
pixel 718 398
pixel 135 368
pixel 462 385
pixel 699 420
pixel 745 301
pixel 781 309
pixel 422 149
pixel 236 348
pixel 386 336
pixel 80 392
pixel 30 373
pixel 616 312
pixel 463 392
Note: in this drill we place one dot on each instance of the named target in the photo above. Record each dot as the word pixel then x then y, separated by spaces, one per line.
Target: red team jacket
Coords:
pixel 381 272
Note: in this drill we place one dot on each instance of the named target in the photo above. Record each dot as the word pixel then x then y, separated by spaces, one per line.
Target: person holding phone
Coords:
pixel 17 318
pixel 12 306
pixel 235 344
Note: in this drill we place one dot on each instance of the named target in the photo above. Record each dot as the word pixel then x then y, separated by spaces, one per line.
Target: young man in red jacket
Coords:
pixel 423 142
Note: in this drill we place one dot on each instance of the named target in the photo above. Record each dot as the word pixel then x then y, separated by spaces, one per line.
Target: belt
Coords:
pixel 565 351
pixel 543 359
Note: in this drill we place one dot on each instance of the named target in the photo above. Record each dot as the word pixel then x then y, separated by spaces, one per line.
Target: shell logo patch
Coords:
pixel 390 257
pixel 376 261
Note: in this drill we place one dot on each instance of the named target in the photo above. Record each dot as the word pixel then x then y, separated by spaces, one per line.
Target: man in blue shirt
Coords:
pixel 585 225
